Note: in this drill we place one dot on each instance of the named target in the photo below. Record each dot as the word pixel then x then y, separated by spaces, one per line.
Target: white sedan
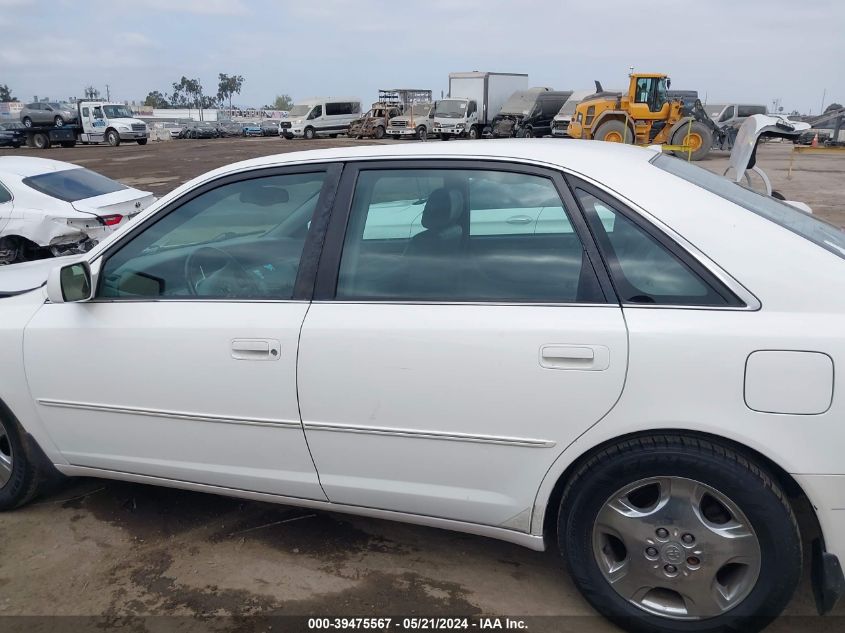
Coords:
pixel 48 207
pixel 585 343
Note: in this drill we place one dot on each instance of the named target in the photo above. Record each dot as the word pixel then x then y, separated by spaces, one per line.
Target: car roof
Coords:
pixel 26 166
pixel 586 156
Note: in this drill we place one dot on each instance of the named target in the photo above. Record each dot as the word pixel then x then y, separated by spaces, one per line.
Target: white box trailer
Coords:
pixel 474 99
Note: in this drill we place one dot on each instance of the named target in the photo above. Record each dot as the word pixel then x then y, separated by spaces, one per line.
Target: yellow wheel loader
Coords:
pixel 645 116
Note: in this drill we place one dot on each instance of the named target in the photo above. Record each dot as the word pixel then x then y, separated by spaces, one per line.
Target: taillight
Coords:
pixel 110 220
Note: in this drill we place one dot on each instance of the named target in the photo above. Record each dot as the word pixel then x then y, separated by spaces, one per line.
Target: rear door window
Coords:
pixel 643 269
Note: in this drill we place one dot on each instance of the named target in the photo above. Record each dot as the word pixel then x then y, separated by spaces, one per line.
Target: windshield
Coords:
pixel 71 185
pixel 520 102
pixel 821 233
pixel 421 109
pixel 451 109
pixel 300 110
pixel 117 112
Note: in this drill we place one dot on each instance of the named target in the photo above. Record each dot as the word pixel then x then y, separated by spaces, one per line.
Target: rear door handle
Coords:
pixel 256 349
pixel 577 357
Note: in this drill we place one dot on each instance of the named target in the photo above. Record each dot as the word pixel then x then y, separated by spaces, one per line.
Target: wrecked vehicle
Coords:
pixel 50 208
pixel 418 123
pixel 529 113
pixel 374 123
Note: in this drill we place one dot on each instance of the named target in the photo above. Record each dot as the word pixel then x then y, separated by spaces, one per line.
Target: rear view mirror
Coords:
pixel 70 283
pixel 263 196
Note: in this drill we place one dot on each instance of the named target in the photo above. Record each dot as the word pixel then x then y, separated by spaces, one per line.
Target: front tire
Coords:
pixel 472 133
pixel 697 136
pixel 113 138
pixel 614 132
pixel 59 121
pixel 141 141
pixel 675 533
pixel 20 475
pixel 27 122
pixel 309 133
pixel 422 133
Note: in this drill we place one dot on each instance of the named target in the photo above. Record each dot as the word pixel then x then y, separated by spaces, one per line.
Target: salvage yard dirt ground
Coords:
pixel 115 550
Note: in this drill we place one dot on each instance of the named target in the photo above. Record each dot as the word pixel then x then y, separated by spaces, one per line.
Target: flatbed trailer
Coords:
pixel 46 136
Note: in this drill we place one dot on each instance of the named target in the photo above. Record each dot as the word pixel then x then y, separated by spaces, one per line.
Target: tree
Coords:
pixel 833 106
pixel 91 93
pixel 156 100
pixel 283 102
pixel 229 86
pixel 187 93
pixel 6 93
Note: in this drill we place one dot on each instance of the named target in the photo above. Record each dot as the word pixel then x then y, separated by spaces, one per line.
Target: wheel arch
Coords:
pixel 546 525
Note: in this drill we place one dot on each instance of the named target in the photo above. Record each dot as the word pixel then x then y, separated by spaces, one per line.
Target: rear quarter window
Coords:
pixel 72 185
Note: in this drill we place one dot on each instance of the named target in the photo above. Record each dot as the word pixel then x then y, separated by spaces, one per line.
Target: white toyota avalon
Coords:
pixel 583 343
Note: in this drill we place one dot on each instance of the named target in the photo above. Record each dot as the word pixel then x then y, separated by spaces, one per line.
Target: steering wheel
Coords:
pixel 239 283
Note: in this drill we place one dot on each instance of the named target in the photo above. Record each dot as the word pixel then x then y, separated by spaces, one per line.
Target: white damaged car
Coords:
pixel 49 207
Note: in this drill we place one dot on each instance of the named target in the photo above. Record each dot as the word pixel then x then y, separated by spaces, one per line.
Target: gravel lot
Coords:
pixel 116 550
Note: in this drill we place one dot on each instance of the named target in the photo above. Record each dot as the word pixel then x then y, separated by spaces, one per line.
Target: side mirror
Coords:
pixel 70 283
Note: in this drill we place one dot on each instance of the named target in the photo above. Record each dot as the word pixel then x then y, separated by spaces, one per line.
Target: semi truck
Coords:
pixel 474 99
pixel 99 121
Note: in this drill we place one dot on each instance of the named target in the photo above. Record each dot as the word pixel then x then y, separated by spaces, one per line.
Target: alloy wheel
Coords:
pixel 6 456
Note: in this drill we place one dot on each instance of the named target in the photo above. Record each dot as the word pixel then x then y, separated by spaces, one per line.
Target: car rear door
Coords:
pixel 442 371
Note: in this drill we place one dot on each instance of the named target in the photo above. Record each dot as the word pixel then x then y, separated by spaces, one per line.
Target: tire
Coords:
pixel 68 144
pixel 421 133
pixel 27 122
pixel 379 132
pixel 58 121
pixel 777 195
pixel 40 141
pixel 333 135
pixel 16 145
pixel 20 473
pixel 472 133
pixel 288 137
pixel 113 138
pixel 141 141
pixel 726 488
pixel 528 133
pixel 445 137
pixel 701 138
pixel 309 133
pixel 614 132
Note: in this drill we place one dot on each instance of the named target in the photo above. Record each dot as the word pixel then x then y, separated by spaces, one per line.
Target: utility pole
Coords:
pixel 824 94
pixel 108 94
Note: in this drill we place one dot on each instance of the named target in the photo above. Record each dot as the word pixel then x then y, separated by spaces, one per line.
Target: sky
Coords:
pixel 729 50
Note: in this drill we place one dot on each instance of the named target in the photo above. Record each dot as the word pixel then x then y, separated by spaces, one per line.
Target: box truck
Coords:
pixel 474 99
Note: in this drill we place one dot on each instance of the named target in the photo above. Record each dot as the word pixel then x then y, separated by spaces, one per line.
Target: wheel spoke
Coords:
pixel 5 468
pixel 702 598
pixel 631 581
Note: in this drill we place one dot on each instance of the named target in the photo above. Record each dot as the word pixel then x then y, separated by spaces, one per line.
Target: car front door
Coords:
pixel 183 366
pixel 442 370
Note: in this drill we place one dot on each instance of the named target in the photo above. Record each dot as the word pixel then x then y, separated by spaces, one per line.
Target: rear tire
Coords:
pixel 700 138
pixel 614 132
pixel 27 122
pixel 20 471
pixel 672 517
pixel 113 138
pixel 40 141
pixel 59 121
pixel 68 144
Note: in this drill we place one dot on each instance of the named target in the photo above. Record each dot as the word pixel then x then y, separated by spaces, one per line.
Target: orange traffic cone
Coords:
pixel 815 142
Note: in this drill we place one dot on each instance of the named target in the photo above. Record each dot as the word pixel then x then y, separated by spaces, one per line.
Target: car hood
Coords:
pixel 125 202
pixel 18 278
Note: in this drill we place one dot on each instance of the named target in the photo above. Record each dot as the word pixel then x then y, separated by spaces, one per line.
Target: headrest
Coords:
pixel 443 209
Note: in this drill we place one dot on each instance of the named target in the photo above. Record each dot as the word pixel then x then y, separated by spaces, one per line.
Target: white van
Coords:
pixel 321 116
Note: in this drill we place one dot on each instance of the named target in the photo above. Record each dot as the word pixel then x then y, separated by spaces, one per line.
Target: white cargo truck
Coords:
pixel 99 121
pixel 474 99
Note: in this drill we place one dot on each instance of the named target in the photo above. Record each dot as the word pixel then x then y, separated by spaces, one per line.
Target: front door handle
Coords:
pixel 519 219
pixel 256 349
pixel 578 357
